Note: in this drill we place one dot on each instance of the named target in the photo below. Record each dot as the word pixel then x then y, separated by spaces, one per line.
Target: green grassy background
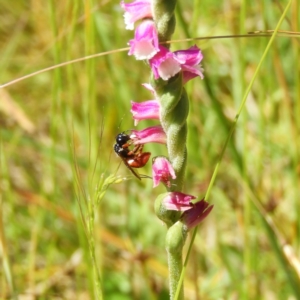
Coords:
pixel 70 228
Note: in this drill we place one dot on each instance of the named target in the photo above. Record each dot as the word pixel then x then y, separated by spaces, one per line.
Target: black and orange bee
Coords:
pixel 134 158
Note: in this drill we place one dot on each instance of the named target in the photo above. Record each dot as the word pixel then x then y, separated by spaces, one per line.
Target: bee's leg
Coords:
pixel 138 149
pixel 126 145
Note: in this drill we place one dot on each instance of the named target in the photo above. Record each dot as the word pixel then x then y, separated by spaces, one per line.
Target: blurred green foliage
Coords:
pixel 62 236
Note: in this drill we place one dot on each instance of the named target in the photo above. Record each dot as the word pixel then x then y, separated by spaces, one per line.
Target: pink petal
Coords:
pixel 145 110
pixel 164 64
pixel 178 201
pixel 162 171
pixel 190 63
pixel 145 42
pixel 149 87
pixel 135 11
pixel 154 134
pixel 196 214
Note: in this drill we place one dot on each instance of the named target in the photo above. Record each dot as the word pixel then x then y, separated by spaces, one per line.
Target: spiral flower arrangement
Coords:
pixel 170 105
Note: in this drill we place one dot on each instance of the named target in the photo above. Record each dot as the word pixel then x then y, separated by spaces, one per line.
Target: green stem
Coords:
pixel 163 15
pixel 175 268
pixel 175 240
pixel 174 109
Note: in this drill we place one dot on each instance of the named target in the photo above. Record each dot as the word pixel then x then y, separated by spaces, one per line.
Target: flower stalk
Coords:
pixel 174 108
pixel 170 71
pixel 164 18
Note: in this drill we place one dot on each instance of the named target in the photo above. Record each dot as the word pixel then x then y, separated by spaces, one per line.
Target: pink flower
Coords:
pixel 190 62
pixel 154 134
pixel 162 171
pixel 145 42
pixel 164 64
pixel 178 201
pixel 145 110
pixel 200 210
pixel 135 11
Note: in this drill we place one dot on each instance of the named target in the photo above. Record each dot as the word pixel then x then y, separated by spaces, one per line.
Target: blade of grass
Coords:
pixel 296 26
pixel 3 246
pixel 53 67
pixel 248 288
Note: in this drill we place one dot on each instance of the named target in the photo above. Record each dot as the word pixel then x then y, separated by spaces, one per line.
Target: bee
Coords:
pixel 134 158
